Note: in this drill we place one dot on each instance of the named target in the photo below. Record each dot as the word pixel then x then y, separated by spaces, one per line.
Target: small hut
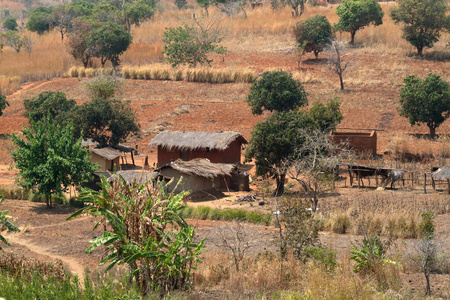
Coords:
pixel 106 158
pixel 197 175
pixel 442 173
pixel 219 147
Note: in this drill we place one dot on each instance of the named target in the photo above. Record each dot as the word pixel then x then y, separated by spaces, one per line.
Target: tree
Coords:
pixel 298 6
pixel 10 24
pixel 276 91
pixel 191 43
pixel 273 143
pixel 205 4
pixel 313 34
pixel 108 42
pixel 52 105
pixel 357 14
pixel 13 40
pixel 145 231
pixel 103 86
pixel 49 158
pixel 106 121
pixel 5 224
pixel 339 61
pixel 77 43
pixel 326 116
pixel 138 11
pixel 61 19
pixel 230 7
pixel 425 101
pixel 39 20
pixel 314 162
pixel 180 4
pixel 3 104
pixel 423 21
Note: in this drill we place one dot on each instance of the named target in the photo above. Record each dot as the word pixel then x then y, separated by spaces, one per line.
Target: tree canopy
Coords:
pixel 191 43
pixel 357 14
pixel 425 101
pixel 276 91
pixel 313 34
pixel 10 23
pixel 3 104
pixel 106 121
pixel 50 158
pixel 53 105
pixel 423 21
pixel 108 42
pixel 77 43
pixel 39 20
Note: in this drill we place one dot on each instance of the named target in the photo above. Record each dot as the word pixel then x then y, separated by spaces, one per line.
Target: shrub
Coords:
pixel 103 86
pixel 426 226
pixel 323 255
pixel 340 222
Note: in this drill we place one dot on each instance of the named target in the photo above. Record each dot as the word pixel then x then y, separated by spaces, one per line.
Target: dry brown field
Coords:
pixel 380 61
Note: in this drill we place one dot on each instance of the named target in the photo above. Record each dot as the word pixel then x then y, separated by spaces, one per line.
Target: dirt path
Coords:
pixel 72 264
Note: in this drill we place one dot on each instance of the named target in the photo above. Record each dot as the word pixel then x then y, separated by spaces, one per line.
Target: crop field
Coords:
pixel 379 61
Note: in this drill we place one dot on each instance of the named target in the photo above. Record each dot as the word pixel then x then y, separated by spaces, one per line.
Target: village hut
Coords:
pixel 134 176
pixel 442 173
pixel 219 147
pixel 106 158
pixel 197 175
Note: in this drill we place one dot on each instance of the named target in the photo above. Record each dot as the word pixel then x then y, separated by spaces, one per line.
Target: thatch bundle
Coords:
pixel 176 140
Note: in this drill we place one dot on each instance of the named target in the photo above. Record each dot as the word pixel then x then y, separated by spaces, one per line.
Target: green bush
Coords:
pixel 323 255
pixel 201 212
pixel 426 226
pixel 103 86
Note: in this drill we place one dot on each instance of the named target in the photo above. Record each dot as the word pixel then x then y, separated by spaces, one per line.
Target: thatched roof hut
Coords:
pixel 201 168
pixel 220 140
pixel 130 176
pixel 107 153
pixel 442 173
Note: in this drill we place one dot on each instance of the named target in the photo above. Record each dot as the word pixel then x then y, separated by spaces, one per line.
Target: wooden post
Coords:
pixel 433 183
pixel 448 186
pixel 132 157
pixel 425 183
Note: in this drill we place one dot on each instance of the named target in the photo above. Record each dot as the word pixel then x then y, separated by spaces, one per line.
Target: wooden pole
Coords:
pixel 433 183
pixel 425 183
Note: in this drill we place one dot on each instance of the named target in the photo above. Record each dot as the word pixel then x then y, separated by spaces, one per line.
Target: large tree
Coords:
pixel 425 101
pixel 273 143
pixel 423 21
pixel 108 42
pixel 313 34
pixel 191 43
pixel 354 15
pixel 50 158
pixel 77 40
pixel 39 20
pixel 276 91
pixel 53 105
pixel 106 121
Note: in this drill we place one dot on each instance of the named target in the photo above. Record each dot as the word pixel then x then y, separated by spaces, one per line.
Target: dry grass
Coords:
pixel 269 277
pixel 88 72
pixel 9 85
pixel 208 75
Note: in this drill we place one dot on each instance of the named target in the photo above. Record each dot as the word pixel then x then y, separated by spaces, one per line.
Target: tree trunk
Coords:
pixel 432 131
pixel 243 10
pixel 427 277
pixel 280 185
pixel 316 54
pixel 48 201
pixel 341 81
pixel 352 40
pixel 420 50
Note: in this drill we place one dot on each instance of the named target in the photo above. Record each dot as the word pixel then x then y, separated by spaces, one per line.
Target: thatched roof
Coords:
pixel 124 148
pixel 130 176
pixel 200 167
pixel 220 140
pixel 107 153
pixel 441 174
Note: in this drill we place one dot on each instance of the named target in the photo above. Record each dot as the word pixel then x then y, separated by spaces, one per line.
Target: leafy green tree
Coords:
pixel 3 104
pixel 146 232
pixel 106 121
pixel 423 21
pixel 13 40
pixel 276 91
pixel 326 116
pixel 108 42
pixel 10 23
pixel 107 13
pixel 39 20
pixel 274 141
pixel 49 158
pixel 191 43
pixel 313 34
pixel 53 105
pixel 77 40
pixel 138 11
pixel 425 101
pixel 5 224
pixel 357 14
